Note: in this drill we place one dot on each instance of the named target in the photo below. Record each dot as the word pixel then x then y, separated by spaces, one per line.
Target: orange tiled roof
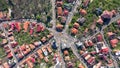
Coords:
pixel 25 26
pixel 59 11
pixel 74 31
pixel 114 42
pixel 83 12
pixel 66 52
pixel 76 25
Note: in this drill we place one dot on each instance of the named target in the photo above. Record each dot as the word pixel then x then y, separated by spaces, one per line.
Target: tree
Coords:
pixel 38 17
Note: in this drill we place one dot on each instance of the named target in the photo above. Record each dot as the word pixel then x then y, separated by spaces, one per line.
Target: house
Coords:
pixel 44 39
pixel 18 26
pixel 59 3
pixel 14 44
pixel 90 43
pixel 45 52
pixel 85 3
pixel 84 55
pixel 80 45
pixel 83 12
pixel 38 43
pixel 22 47
pixel 63 21
pixel 39 28
pixel 98 65
pixel 4 15
pixel 67 58
pixel 59 11
pixel 106 16
pixel 11 38
pixel 99 37
pixel 114 42
pixel 118 22
pixel 32 46
pixel 93 52
pixel 69 65
pixel 50 36
pixel 81 21
pixel 110 34
pixel 6 65
pixel 114 12
pixel 9 55
pixel 81 66
pixel 39 52
pixel 105 50
pixel 91 60
pixel 20 56
pixel 12 26
pixel 86 43
pixel 46 59
pixel 49 49
pixel 30 64
pixel 4 41
pixel 117 53
pixel 81 52
pixel 26 25
pixel 31 31
pixel 65 52
pixel 10 34
pixel 76 25
pixel 100 21
pixel 74 31
pixel 87 57
pixel 59 27
pixel 65 12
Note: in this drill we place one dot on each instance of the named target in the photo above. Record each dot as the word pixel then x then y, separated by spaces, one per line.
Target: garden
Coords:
pixel 91 15
pixel 25 37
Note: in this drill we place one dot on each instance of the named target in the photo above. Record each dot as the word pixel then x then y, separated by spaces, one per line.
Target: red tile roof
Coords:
pixel 83 12
pixel 49 49
pixel 9 55
pixel 59 3
pixel 99 37
pixel 6 65
pixel 66 53
pixel 100 21
pixel 114 42
pixel 31 31
pixel 90 43
pixel 105 50
pixel 26 25
pixel 59 26
pixel 65 12
pixel 74 31
pixel 18 26
pixel 40 54
pixel 110 34
pixel 59 11
pixel 76 25
pixel 40 28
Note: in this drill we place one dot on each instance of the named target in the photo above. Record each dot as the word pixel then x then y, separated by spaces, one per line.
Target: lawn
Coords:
pixel 2 53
